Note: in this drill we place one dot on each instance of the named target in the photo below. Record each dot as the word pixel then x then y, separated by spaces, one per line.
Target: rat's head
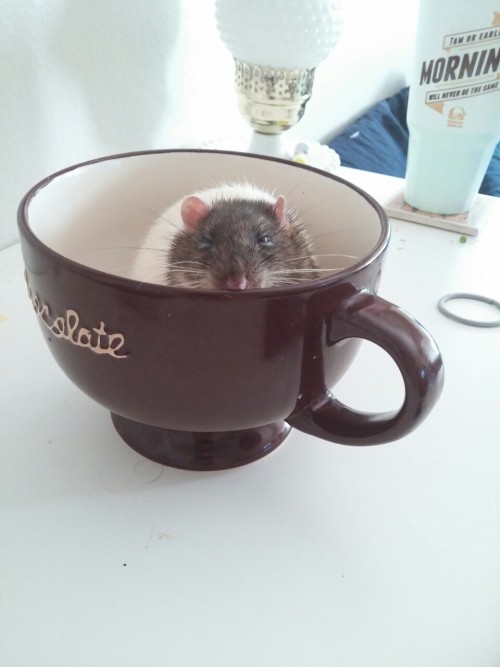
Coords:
pixel 231 244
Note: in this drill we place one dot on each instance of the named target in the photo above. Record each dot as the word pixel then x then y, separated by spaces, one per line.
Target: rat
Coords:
pixel 234 236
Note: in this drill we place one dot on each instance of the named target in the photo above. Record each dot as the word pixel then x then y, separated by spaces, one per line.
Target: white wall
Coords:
pixel 83 78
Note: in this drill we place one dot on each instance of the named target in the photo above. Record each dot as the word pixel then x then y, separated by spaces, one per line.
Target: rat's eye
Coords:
pixel 265 240
pixel 205 242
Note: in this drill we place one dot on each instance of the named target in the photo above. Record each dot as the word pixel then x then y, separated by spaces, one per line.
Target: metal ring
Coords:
pixel 465 320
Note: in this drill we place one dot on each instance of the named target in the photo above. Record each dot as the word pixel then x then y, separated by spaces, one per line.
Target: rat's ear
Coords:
pixel 279 209
pixel 193 209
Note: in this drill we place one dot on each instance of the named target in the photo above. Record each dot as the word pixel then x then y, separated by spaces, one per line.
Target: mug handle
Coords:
pixel 368 316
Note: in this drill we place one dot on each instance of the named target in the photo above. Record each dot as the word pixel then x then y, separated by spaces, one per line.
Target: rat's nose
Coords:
pixel 236 282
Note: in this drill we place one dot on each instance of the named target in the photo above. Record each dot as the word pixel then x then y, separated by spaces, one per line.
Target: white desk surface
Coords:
pixel 318 555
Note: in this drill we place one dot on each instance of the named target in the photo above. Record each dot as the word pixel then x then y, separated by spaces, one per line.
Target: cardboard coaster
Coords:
pixel 469 223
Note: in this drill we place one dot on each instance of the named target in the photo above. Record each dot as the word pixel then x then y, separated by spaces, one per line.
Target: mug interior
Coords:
pixel 98 213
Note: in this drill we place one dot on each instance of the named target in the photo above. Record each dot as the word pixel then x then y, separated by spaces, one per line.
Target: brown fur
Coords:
pixel 238 238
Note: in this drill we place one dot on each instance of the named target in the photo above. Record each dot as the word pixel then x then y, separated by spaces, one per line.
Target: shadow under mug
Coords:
pixel 212 379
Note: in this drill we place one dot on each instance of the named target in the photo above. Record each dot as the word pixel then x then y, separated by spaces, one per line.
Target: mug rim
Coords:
pixel 152 289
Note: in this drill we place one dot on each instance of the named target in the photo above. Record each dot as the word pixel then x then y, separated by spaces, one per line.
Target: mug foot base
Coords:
pixel 201 451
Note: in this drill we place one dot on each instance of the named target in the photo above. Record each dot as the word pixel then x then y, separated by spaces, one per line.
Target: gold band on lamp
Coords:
pixel 272 99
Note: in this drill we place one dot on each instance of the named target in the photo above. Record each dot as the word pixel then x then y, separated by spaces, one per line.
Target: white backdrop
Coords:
pixel 80 79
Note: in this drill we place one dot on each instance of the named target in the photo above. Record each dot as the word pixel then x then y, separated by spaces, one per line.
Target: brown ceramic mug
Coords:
pixel 206 379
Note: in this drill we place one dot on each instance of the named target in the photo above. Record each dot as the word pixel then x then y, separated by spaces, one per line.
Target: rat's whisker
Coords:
pixel 342 231
pixel 343 256
pixel 181 272
pixel 293 271
pixel 186 263
pixel 122 247
pixel 171 224
pixel 297 184
pixel 295 259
